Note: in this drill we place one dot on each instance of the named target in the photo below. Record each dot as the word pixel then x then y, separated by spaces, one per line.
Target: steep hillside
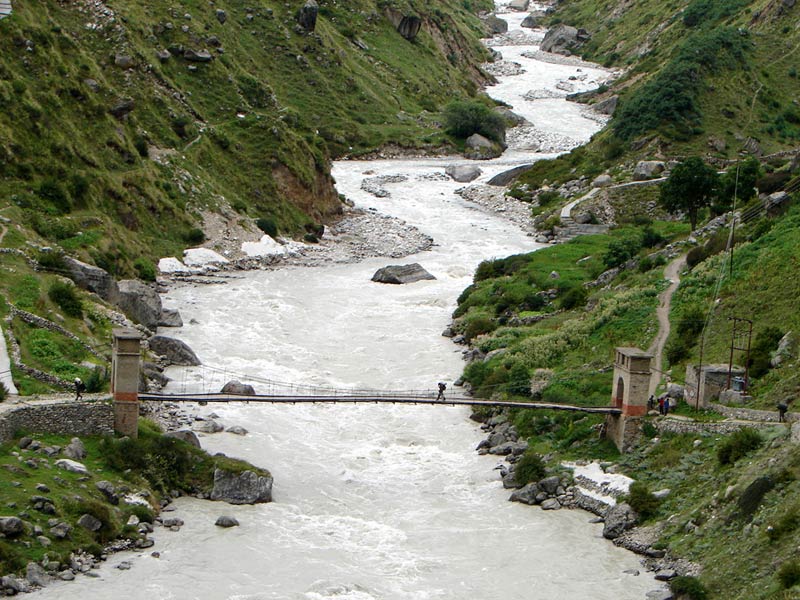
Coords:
pixel 122 120
pixel 708 77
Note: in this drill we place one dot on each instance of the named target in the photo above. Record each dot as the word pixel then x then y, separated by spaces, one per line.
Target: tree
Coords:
pixel 741 185
pixel 690 187
pixel 463 118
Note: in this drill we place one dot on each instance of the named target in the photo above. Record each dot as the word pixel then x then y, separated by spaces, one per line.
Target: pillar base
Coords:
pixel 126 418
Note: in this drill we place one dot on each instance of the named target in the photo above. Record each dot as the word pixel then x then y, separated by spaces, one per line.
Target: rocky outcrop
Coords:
pixel 506 177
pixel 94 279
pixel 619 519
pixel 307 15
pixel 238 388
pixel 409 27
pixel 397 274
pixel 494 24
pixel 563 39
pixel 647 169
pixel 241 488
pixel 607 106
pixel 175 351
pixel 140 302
pixel 463 173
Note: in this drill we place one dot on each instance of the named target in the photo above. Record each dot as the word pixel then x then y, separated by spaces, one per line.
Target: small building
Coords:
pixel 702 389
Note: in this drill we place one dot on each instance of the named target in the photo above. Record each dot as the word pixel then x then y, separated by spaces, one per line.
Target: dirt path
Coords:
pixel 671 272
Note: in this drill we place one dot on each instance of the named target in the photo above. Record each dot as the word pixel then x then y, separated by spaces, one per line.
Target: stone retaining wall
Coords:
pixel 715 427
pixel 62 417
pixel 751 414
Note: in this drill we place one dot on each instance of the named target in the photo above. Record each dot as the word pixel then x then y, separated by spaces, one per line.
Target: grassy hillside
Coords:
pixel 698 77
pixel 111 153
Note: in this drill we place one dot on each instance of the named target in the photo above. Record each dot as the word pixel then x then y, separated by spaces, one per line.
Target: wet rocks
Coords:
pixel 400 274
pixel 463 173
pixel 237 388
pixel 170 317
pixel 209 426
pixel 507 177
pixel 237 430
pixel 241 488
pixel 177 352
pixel 225 522
pixel 140 302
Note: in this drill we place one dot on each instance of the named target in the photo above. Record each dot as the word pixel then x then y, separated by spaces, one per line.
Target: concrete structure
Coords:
pixel 631 385
pixel 125 381
pixel 706 387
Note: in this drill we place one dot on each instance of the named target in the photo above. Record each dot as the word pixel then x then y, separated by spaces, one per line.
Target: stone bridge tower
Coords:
pixel 125 381
pixel 630 389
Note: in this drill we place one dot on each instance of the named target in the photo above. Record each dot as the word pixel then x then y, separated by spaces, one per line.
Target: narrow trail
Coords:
pixel 671 272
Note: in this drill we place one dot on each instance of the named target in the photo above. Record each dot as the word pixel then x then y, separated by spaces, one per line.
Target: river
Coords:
pixel 372 502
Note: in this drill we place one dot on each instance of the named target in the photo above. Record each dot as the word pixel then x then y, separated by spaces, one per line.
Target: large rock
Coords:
pixel 122 108
pixel 90 522
pixel 209 426
pixel 506 177
pixel 190 437
pixel 36 575
pixel 463 173
pixel 75 449
pixel 401 274
pixel 607 106
pixel 409 26
pixel 307 15
pixel 520 5
pixel 526 494
pixel 787 348
pixel 72 466
pixel 563 39
pixel 647 169
pixel 11 526
pixel 226 521
pixel 202 56
pixel 495 25
pixel 237 388
pixel 176 351
pixel 533 19
pixel 140 302
pixel 94 279
pixel 619 519
pixel 108 490
pixel 170 317
pixel 241 488
pixel 477 147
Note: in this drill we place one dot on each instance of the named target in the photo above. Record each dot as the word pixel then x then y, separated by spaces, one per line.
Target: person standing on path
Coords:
pixel 442 388
pixel 80 387
pixel 783 407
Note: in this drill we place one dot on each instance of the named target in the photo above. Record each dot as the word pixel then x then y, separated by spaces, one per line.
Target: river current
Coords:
pixel 372 502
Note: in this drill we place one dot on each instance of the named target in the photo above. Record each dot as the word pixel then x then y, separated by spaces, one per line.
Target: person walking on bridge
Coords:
pixel 442 388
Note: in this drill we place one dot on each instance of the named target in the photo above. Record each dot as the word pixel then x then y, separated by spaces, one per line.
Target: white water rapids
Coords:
pixel 371 502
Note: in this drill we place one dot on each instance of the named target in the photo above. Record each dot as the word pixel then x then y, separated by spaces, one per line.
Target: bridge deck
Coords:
pixel 374 399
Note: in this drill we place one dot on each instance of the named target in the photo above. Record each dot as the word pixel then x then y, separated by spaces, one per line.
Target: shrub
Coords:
pixel 50 260
pixel 642 500
pixel 620 251
pixel 179 124
pixel 548 197
pixel 78 187
pixel 646 264
pixel 765 343
pixel 738 445
pixel 478 325
pixel 52 191
pixel 145 269
pixel 77 506
pixel 194 236
pixel 463 118
pixel 574 297
pixel 789 574
pixel 3 392
pixel 786 524
pixel 267 226
pixel 519 381
pixel 688 587
pixel 66 298
pixel 529 468
pixel 651 238
pixel 95 382
pixel 695 256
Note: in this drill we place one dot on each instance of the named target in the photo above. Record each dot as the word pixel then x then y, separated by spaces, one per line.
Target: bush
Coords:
pixel 789 574
pixel 194 236
pixel 620 251
pixel 52 191
pixel 695 256
pixel 642 500
pixel 267 226
pixel 95 382
pixel 788 523
pixel 77 506
pixel 145 269
pixel 574 297
pixel 765 343
pixel 463 118
pixel 519 381
pixel 689 587
pixel 651 238
pixel 3 392
pixel 140 143
pixel 50 260
pixel 529 468
pixel 64 295
pixel 738 445
pixel 478 325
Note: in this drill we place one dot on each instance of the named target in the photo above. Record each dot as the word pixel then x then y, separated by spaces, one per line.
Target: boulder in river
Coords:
pixel 176 351
pixel 170 317
pixel 520 5
pixel 140 302
pixel 186 435
pixel 618 520
pixel 506 177
pixel 494 24
pixel 401 274
pixel 477 147
pixel 241 488
pixel 237 388
pixel 463 173
pixel 563 39
pixel 226 521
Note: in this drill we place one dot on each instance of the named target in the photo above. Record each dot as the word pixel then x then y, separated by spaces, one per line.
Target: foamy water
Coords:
pixel 371 502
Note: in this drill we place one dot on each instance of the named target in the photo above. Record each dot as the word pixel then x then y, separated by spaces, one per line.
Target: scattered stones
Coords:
pixel 647 169
pixel 222 16
pixel 124 61
pixel 36 575
pixel 200 56
pixel 60 531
